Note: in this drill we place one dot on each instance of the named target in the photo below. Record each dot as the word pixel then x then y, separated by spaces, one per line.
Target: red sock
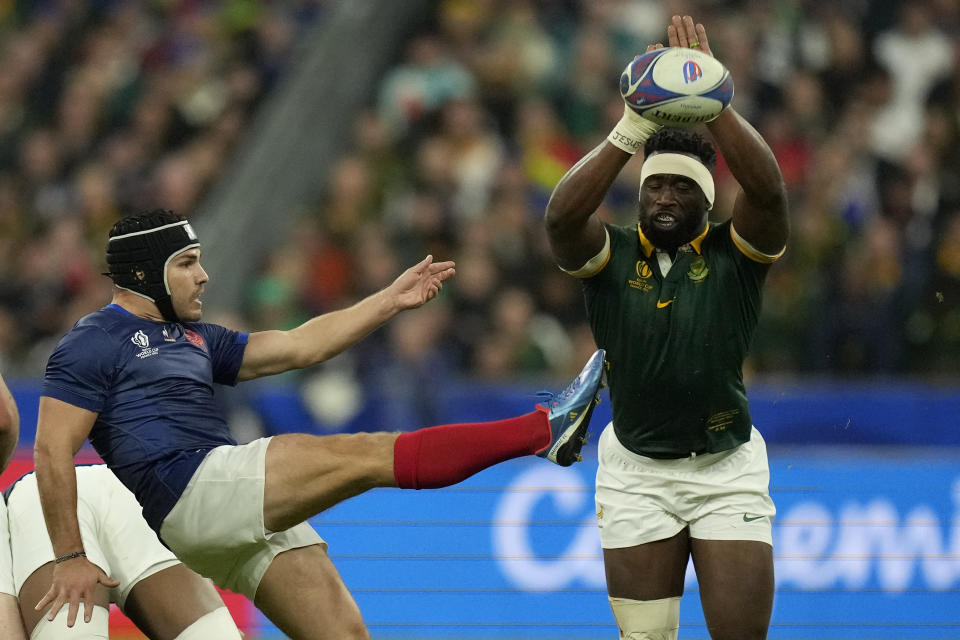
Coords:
pixel 441 456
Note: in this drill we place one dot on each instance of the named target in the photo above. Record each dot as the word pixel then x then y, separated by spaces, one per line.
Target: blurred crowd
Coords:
pixel 107 106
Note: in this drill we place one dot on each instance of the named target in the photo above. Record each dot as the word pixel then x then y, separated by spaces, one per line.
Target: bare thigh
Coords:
pixel 306 475
pixel 302 593
pixel 167 602
pixel 736 587
pixel 648 571
pixel 37 585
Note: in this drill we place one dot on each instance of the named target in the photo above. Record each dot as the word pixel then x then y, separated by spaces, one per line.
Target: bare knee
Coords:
pixel 302 593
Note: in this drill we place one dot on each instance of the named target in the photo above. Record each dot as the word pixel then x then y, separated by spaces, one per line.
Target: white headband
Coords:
pixel 680 165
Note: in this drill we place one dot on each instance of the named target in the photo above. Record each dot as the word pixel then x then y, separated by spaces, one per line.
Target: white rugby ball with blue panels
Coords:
pixel 677 86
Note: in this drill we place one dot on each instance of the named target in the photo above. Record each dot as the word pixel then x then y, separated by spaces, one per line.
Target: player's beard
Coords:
pixel 688 227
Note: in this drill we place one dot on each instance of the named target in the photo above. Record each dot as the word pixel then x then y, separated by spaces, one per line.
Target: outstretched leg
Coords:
pixel 305 475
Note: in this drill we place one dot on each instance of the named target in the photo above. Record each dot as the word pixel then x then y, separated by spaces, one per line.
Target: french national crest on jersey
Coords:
pixel 195 339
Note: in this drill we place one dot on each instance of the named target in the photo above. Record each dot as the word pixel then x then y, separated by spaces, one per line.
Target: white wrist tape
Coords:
pixel 632 131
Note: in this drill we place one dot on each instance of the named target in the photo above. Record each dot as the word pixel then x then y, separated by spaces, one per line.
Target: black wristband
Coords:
pixel 70 556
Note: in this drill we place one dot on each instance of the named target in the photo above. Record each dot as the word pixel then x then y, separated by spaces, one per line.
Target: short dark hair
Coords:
pixel 682 141
pixel 143 221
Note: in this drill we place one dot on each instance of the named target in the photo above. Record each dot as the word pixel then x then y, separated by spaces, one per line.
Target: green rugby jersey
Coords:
pixel 676 344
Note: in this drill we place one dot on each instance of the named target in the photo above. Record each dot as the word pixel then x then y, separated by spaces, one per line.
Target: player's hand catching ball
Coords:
pixel 683 32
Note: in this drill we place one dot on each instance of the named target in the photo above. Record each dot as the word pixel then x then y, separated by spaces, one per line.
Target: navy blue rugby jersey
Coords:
pixel 151 384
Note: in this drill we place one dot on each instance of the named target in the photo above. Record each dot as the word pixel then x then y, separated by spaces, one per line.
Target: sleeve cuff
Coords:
pixel 748 249
pixel 595 264
pixel 70 397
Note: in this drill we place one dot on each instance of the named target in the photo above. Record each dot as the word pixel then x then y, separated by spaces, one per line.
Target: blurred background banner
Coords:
pixel 321 146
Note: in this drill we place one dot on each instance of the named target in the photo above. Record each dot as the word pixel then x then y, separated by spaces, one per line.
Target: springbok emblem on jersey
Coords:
pixel 698 269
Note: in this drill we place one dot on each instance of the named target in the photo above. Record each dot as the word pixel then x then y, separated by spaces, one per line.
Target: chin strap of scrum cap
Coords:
pixel 138 261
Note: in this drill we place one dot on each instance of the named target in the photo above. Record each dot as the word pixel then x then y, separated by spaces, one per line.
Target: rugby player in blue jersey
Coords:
pixel 136 378
pixel 674 300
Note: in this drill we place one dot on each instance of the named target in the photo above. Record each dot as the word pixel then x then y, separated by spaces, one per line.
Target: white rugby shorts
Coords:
pixel 216 528
pixel 719 496
pixel 6 556
pixel 115 536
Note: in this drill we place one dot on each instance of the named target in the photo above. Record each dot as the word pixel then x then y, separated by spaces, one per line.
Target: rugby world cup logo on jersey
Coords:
pixel 644 272
pixel 141 340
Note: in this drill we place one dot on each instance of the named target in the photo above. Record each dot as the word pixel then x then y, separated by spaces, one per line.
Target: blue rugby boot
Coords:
pixel 569 412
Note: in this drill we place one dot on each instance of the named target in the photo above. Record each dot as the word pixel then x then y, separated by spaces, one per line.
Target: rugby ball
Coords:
pixel 677 86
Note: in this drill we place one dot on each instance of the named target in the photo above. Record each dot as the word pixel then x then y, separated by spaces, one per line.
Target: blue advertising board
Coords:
pixel 867 545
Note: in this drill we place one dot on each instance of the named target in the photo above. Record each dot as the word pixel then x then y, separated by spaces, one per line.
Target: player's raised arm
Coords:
pixel 61 431
pixel 576 235
pixel 760 212
pixel 321 338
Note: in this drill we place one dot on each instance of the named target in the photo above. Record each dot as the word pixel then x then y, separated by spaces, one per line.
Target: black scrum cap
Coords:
pixel 139 249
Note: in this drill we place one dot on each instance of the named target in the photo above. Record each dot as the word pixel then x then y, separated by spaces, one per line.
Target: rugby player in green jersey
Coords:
pixel 674 300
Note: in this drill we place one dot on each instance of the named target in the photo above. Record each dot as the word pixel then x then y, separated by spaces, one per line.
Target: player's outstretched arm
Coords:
pixel 9 425
pixel 760 212
pixel 321 338
pixel 61 430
